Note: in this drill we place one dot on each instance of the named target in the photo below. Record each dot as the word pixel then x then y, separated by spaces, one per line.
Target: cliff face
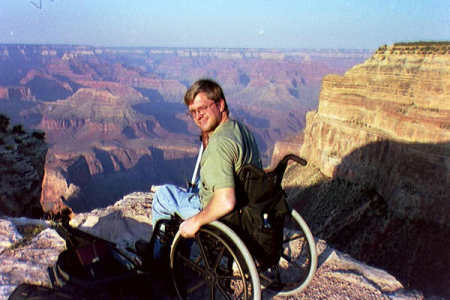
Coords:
pixel 380 144
pixel 22 159
pixel 105 173
pixel 386 122
pixel 16 93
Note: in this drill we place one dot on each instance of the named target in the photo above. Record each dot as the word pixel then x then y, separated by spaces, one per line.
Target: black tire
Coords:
pixel 214 265
pixel 298 261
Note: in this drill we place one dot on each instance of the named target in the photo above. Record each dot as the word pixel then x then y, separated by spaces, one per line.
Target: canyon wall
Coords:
pixel 378 149
pixel 116 115
pixel 96 177
pixel 16 93
pixel 22 159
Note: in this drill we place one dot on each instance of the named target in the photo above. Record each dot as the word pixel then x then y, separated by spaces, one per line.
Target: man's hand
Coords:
pixel 222 203
pixel 189 228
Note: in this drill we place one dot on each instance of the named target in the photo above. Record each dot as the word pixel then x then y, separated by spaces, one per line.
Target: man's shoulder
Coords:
pixel 232 133
pixel 225 130
pixel 231 127
pixel 226 138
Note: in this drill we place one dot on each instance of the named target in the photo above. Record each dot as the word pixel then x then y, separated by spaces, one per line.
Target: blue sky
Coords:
pixel 225 23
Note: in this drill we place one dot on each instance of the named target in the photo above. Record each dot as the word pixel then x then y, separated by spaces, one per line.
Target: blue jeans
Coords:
pixel 170 199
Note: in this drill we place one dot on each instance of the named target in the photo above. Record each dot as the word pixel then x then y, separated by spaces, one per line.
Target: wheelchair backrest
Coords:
pixel 261 207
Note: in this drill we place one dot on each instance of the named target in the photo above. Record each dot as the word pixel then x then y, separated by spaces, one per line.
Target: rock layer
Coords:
pixel 381 141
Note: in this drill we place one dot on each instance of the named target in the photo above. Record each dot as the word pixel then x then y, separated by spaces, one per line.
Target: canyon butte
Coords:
pixel 377 181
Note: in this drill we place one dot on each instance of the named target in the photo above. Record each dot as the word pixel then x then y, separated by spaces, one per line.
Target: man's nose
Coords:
pixel 199 115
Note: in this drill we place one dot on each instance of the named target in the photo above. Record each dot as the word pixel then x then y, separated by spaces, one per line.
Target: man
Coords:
pixel 230 145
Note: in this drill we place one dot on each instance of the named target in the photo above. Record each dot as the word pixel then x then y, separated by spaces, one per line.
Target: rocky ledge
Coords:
pixel 28 247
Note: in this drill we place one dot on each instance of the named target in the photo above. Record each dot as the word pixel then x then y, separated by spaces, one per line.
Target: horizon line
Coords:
pixel 180 47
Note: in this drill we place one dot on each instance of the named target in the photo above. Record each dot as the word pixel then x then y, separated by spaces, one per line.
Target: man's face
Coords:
pixel 206 114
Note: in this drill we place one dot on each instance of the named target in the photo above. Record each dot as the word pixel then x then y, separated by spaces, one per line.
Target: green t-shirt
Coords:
pixel 230 147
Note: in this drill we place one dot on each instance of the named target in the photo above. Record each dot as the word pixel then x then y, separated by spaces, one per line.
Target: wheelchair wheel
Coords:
pixel 214 265
pixel 298 261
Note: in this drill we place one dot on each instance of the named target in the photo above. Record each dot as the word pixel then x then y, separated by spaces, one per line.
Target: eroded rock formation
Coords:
pixel 379 154
pixel 16 93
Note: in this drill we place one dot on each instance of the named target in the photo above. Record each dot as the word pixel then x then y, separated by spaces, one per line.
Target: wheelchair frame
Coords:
pixel 217 264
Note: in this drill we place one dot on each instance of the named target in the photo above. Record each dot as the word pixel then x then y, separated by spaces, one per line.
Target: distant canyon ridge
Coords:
pixel 115 121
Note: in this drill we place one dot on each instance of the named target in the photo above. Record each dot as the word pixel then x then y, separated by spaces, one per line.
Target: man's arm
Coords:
pixel 222 202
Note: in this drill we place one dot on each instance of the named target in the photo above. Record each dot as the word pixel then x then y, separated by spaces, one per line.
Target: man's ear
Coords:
pixel 222 105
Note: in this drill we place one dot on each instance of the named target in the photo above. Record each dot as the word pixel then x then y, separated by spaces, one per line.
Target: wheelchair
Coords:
pixel 217 264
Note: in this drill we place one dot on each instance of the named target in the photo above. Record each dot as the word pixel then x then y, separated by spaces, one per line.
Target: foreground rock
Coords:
pixel 25 259
pixel 26 256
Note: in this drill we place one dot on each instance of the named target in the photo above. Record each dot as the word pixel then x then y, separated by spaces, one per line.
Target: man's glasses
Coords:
pixel 193 113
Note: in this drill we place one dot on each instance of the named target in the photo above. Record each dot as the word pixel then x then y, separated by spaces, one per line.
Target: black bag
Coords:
pixel 260 213
pixel 94 266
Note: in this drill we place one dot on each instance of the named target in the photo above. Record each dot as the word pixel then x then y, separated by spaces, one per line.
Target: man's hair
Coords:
pixel 208 86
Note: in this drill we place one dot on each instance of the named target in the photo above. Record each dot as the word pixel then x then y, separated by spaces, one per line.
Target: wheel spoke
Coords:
pixel 214 266
pixel 219 257
pixel 189 263
pixel 229 277
pixel 198 285
pixel 212 294
pixel 202 250
pixel 223 291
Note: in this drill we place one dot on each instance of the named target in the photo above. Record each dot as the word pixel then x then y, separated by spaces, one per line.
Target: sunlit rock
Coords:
pixel 379 155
